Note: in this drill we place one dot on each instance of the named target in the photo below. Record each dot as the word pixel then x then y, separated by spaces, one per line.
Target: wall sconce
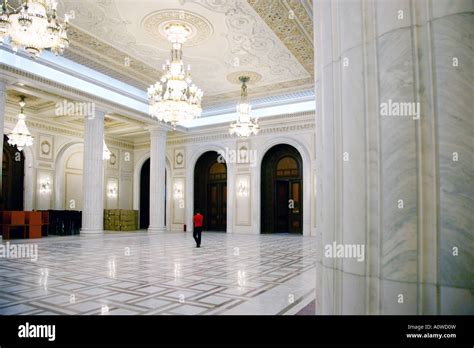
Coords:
pixel 112 192
pixel 45 186
pixel 178 191
pixel 242 190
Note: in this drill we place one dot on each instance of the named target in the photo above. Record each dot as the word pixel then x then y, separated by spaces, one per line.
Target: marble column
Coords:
pixel 3 99
pixel 393 184
pixel 157 178
pixel 93 175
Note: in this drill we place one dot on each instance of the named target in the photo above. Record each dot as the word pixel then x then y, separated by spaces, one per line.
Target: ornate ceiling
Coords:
pixel 268 39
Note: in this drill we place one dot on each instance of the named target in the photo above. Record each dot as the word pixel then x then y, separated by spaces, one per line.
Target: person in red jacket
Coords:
pixel 197 230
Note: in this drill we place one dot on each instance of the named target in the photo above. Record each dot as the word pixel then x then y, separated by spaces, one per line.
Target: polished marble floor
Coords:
pixel 140 273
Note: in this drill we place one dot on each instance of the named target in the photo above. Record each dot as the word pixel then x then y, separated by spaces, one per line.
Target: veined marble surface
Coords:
pixel 161 273
pixel 400 192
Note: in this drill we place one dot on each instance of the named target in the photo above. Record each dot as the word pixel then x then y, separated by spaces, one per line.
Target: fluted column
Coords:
pixel 93 175
pixel 157 178
pixel 390 180
pixel 3 96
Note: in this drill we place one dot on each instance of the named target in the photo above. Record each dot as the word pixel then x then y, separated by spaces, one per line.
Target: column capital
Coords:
pixel 100 112
pixel 159 130
pixel 88 109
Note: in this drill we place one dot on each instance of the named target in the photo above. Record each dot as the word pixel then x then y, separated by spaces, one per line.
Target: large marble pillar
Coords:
pixel 3 99
pixel 93 175
pixel 157 178
pixel 392 183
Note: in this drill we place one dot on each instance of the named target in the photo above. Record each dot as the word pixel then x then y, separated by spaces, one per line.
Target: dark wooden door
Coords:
pixel 282 211
pixel 210 191
pixel 13 171
pixel 288 206
pixel 145 195
pixel 295 213
pixel 217 207
pixel 281 190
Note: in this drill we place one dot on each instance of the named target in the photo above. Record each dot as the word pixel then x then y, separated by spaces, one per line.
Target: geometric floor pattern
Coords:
pixel 161 274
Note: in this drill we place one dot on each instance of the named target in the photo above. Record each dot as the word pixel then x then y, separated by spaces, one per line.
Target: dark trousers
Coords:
pixel 197 235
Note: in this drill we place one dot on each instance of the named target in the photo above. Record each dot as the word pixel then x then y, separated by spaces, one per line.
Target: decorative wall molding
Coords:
pixel 44 165
pixel 45 145
pixel 113 162
pixel 179 158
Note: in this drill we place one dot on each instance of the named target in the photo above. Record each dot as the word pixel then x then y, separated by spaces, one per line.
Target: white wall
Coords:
pixel 61 170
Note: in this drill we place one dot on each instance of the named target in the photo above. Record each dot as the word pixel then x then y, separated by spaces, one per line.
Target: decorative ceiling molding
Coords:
pixel 290 21
pixel 105 38
pixel 235 77
pixel 32 102
pixel 89 51
pixel 200 28
pixel 308 5
pixel 266 90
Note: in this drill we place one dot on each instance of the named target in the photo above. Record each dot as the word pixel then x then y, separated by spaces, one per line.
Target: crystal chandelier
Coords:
pixel 20 136
pixel 175 99
pixel 244 127
pixel 105 152
pixel 34 27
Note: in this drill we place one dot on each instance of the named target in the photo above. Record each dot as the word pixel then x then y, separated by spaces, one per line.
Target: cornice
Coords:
pixel 272 124
pixel 113 142
pixel 34 124
pixel 226 136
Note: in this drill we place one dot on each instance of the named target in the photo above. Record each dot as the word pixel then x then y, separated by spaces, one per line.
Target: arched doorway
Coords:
pixel 13 173
pixel 281 191
pixel 210 191
pixel 145 195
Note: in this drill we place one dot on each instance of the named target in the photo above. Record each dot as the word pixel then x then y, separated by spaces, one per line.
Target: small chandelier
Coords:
pixel 175 99
pixel 244 127
pixel 20 136
pixel 33 27
pixel 105 152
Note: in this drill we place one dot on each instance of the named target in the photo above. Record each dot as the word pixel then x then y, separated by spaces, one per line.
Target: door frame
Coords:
pixel 206 182
pixel 221 187
pixel 192 157
pixel 136 187
pixel 308 182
